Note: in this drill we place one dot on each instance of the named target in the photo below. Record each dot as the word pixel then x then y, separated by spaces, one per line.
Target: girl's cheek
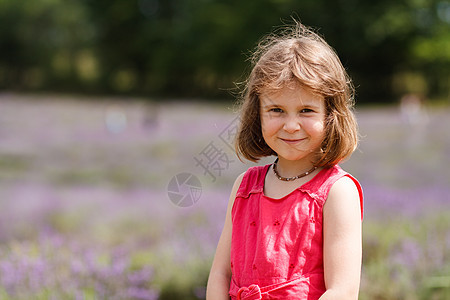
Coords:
pixel 318 126
pixel 277 124
pixel 271 120
pixel 270 115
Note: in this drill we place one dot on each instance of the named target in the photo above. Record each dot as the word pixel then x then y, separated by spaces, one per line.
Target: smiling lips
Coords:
pixel 291 141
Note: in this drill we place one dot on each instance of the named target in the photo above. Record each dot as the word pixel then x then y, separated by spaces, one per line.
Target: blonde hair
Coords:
pixel 298 55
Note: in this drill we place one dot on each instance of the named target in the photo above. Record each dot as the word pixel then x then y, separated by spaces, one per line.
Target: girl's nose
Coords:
pixel 291 125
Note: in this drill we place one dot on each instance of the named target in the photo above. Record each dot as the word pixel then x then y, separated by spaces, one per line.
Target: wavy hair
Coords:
pixel 299 55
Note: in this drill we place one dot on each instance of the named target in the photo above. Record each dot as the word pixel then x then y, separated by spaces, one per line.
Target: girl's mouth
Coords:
pixel 290 141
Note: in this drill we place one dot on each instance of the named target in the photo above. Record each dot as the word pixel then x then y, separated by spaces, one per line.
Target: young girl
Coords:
pixel 293 228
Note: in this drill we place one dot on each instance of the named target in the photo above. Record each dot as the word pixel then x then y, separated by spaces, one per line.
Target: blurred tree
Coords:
pixel 199 47
pixel 429 55
pixel 41 43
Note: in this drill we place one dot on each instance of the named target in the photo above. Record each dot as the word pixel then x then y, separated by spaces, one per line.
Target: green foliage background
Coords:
pixel 199 48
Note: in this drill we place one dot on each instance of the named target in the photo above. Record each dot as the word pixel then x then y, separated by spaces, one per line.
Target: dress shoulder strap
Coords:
pixel 253 181
pixel 321 185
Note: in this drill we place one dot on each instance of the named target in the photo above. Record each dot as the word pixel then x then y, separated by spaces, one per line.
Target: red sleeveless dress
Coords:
pixel 277 244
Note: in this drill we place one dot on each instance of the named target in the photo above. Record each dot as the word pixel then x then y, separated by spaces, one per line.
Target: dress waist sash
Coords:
pixel 289 288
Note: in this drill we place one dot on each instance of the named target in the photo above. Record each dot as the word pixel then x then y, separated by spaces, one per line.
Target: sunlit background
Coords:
pixel 116 126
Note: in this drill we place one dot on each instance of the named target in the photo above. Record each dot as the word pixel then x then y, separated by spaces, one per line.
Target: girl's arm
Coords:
pixel 342 242
pixel 220 274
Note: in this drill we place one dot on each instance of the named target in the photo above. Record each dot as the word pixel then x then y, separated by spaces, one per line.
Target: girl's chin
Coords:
pixel 298 155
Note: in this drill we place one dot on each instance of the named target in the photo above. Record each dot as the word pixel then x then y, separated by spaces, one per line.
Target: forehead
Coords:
pixel 291 95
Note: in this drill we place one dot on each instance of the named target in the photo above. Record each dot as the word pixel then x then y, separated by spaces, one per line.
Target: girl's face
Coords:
pixel 293 122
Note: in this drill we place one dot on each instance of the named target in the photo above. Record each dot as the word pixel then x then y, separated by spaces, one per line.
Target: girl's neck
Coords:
pixel 290 168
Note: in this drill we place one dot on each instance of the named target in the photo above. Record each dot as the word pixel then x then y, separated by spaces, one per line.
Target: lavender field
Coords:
pixel 85 211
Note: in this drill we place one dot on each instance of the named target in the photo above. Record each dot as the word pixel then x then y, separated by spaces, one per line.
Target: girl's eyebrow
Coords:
pixel 309 105
pixel 271 105
pixel 306 105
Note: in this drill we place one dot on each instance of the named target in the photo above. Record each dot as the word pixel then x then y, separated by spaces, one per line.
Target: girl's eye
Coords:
pixel 306 110
pixel 277 110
